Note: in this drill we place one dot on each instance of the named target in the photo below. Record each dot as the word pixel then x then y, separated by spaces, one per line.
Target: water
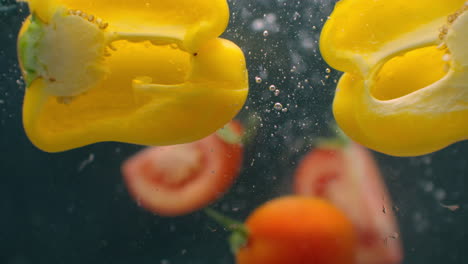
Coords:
pixel 73 207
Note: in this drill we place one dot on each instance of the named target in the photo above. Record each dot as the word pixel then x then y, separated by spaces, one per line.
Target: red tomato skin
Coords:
pixel 222 162
pixel 350 178
pixel 298 230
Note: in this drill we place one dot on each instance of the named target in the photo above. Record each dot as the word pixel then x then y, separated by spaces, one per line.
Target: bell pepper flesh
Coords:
pixel 146 84
pixel 405 90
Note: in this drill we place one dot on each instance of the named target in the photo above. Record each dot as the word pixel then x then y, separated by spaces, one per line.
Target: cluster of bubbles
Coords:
pixel 272 88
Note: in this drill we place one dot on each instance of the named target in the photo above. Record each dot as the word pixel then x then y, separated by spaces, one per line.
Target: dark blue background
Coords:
pixel 53 212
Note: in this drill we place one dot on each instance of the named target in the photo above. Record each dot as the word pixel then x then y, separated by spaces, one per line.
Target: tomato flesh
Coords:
pixel 180 179
pixel 348 176
pixel 173 166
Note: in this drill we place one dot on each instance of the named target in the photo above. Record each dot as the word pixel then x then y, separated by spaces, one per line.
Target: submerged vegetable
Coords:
pixel 145 72
pixel 346 175
pixel 405 90
pixel 179 179
pixel 293 229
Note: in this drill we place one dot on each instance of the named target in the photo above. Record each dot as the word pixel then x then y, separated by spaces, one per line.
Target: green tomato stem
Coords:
pixel 240 234
pixel 229 135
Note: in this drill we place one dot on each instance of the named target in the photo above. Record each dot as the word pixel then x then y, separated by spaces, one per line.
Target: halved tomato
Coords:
pixel 179 179
pixel 348 176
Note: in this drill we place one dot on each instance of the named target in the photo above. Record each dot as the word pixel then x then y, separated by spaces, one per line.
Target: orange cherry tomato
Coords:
pixel 179 179
pixel 298 230
pixel 348 176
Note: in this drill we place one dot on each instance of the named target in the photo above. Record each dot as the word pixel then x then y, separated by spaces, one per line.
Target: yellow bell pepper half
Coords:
pixel 150 72
pixel 405 87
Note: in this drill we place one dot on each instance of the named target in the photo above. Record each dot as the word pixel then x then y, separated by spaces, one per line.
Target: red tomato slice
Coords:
pixel 349 177
pixel 179 179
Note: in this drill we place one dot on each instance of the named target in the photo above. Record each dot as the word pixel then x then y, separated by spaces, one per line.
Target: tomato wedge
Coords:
pixel 179 179
pixel 348 176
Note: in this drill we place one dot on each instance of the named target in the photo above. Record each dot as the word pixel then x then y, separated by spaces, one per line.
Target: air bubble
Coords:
pixel 265 33
pixel 278 106
pixel 272 88
pixel 277 92
pixel 327 70
pixel 258 79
